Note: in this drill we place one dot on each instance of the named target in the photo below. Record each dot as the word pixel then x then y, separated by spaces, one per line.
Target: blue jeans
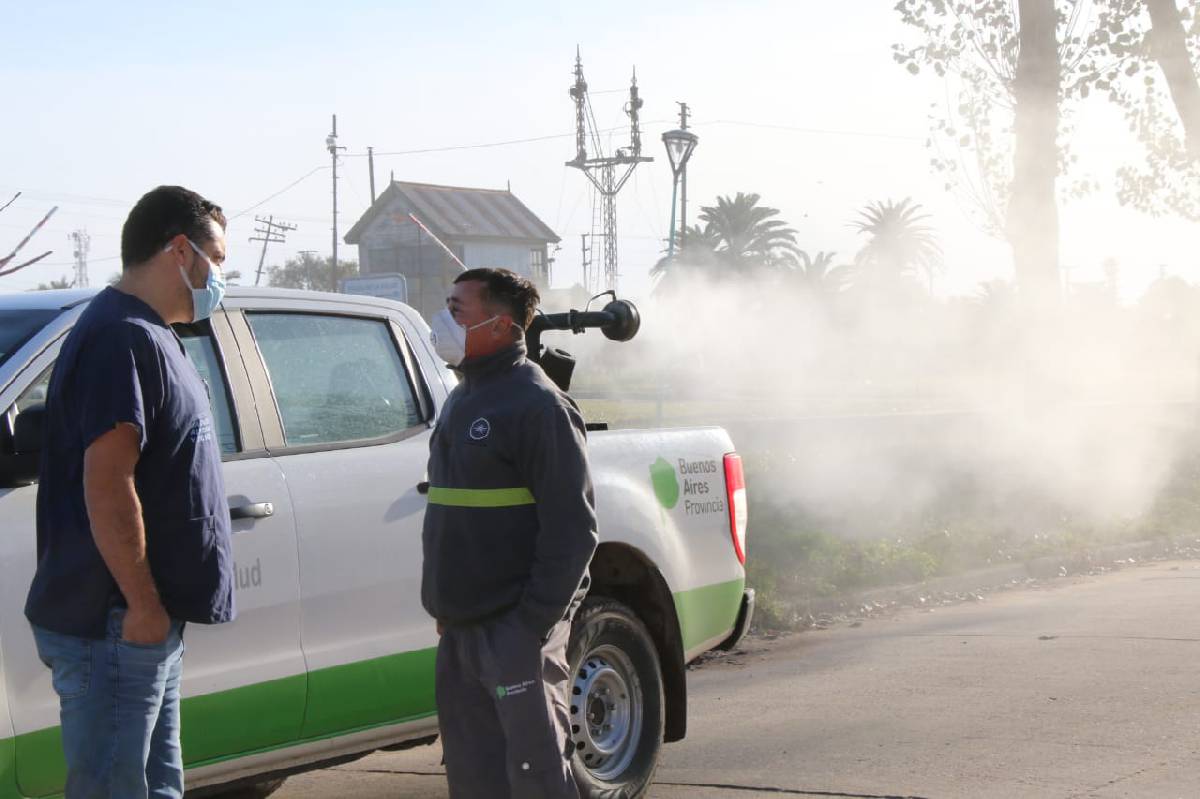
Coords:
pixel 119 710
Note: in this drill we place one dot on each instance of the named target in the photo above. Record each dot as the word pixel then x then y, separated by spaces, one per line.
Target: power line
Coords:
pixel 452 148
pixel 80 199
pixel 554 136
pixel 288 187
pixel 812 131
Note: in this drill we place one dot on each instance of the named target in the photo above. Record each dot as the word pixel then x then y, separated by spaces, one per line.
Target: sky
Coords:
pixel 796 100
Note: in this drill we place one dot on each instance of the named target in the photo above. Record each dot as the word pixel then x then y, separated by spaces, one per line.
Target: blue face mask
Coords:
pixel 205 300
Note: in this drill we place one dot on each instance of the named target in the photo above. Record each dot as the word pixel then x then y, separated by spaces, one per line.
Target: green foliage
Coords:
pixel 900 246
pixel 739 238
pixel 795 558
pixel 61 283
pixel 307 271
pixel 816 275
pixel 748 235
pixel 1107 48
pixel 1130 53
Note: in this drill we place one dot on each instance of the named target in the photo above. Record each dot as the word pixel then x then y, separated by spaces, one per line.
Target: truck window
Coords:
pixel 337 379
pixel 36 393
pixel 17 327
pixel 202 352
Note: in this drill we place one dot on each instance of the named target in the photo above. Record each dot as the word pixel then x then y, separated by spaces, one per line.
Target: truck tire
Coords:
pixel 615 700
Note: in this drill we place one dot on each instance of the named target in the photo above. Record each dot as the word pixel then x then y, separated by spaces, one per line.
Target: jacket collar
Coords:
pixel 474 370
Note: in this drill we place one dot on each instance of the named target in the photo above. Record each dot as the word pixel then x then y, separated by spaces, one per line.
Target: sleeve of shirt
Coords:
pixel 555 467
pixel 118 380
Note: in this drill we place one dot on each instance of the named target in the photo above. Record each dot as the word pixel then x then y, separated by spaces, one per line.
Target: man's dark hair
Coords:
pixel 161 215
pixel 507 291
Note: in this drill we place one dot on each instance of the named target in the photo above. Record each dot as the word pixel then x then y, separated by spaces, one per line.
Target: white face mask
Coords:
pixel 449 338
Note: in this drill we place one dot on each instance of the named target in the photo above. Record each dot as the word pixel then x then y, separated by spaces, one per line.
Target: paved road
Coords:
pixel 1086 687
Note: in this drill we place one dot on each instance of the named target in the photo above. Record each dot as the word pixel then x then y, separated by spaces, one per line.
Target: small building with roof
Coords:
pixel 409 228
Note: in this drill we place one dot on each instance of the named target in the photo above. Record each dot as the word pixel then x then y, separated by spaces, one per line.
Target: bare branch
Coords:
pixel 5 261
pixel 30 262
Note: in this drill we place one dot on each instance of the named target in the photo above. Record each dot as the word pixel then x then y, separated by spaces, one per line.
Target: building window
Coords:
pixel 537 264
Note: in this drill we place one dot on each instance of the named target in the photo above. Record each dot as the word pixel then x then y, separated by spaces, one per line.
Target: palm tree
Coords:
pixel 899 245
pixel 817 276
pixel 738 237
pixel 749 237
pixel 695 254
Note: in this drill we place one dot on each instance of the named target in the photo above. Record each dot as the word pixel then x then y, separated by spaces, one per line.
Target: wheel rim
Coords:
pixel 606 712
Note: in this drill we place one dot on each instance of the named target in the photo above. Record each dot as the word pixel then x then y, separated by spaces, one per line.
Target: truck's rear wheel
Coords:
pixel 615 701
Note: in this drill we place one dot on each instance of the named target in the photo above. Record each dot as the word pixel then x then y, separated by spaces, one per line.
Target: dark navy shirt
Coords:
pixel 121 364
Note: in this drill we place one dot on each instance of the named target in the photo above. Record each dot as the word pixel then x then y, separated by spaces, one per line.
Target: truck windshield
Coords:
pixel 17 327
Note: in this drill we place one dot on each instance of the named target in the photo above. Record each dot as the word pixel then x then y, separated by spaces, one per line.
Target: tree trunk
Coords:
pixel 1169 46
pixel 1032 226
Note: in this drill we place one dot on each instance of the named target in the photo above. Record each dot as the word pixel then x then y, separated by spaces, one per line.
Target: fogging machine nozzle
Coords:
pixel 618 321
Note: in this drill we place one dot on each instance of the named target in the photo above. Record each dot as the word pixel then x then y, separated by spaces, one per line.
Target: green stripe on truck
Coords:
pixel 324 704
pixel 342 699
pixel 8 767
pixel 704 613
pixel 480 497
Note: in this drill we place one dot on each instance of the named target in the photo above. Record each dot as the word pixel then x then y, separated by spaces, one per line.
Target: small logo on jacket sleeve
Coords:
pixel 480 429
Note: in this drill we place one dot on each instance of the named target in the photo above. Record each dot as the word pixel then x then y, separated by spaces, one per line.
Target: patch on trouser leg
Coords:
pixel 529 679
pixel 473 750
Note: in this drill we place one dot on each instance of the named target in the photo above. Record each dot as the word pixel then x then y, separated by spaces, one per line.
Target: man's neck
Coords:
pixel 164 302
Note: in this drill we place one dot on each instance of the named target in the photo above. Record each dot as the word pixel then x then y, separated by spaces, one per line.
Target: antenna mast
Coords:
pixel 602 170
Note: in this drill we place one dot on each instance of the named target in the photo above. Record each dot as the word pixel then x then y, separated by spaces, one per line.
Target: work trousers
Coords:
pixel 501 696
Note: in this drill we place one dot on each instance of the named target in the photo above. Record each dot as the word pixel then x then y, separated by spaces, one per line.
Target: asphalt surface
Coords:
pixel 1080 687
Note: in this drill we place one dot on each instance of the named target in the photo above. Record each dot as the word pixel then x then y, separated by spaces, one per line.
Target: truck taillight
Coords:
pixel 735 488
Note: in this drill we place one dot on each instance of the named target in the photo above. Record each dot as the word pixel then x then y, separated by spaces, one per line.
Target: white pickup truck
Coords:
pixel 325 405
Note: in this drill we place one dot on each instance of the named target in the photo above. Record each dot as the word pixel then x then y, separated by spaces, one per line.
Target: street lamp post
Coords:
pixel 680 143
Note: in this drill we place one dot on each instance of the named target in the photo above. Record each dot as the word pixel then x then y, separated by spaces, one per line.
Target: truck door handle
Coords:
pixel 255 510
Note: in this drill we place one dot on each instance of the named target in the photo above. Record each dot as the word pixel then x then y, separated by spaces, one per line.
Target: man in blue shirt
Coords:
pixel 132 520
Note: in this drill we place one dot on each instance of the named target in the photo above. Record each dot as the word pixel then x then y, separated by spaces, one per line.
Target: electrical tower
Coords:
pixel 273 233
pixel 602 170
pixel 81 242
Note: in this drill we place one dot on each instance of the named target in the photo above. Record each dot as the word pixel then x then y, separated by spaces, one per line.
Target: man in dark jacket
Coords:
pixel 509 533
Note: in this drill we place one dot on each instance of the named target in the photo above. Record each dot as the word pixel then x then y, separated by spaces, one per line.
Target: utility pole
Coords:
pixel 81 243
pixel 332 145
pixel 587 265
pixel 274 232
pixel 602 169
pixel 371 167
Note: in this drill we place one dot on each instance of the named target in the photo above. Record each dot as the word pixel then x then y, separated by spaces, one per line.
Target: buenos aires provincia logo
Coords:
pixel 480 429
